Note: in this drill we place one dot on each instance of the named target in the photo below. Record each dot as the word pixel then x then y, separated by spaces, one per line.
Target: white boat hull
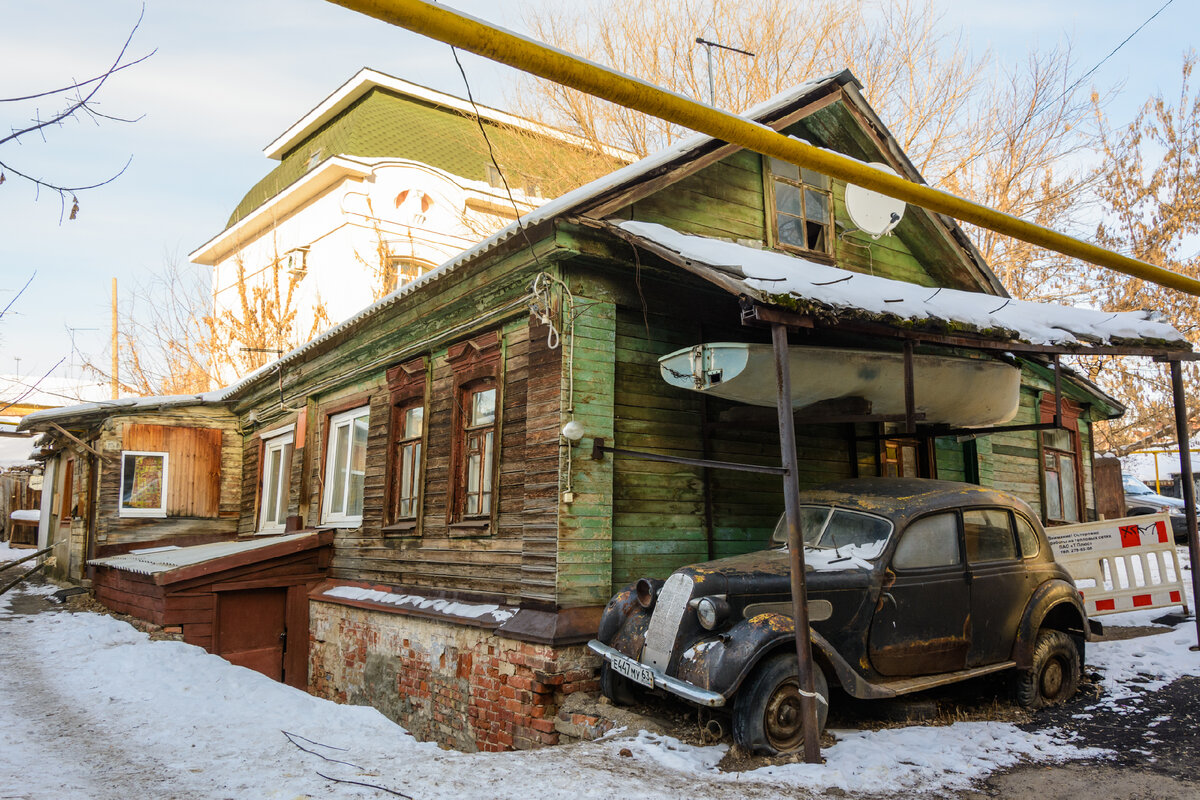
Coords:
pixel 948 390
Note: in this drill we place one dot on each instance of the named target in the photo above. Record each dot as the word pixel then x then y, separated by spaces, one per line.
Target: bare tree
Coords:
pixel 1149 188
pixel 173 340
pixel 76 100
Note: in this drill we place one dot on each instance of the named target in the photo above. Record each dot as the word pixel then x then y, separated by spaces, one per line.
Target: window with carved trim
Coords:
pixel 407 384
pixel 478 448
pixel 476 369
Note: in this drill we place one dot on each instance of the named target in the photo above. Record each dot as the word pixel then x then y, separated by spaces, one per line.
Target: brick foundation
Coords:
pixel 460 686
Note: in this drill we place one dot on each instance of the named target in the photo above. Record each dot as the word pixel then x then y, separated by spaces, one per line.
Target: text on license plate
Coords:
pixel 638 673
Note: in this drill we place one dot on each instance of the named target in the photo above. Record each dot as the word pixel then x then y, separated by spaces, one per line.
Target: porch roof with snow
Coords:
pixel 818 295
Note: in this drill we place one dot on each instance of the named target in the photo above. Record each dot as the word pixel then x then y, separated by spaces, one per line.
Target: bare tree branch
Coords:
pixel 80 105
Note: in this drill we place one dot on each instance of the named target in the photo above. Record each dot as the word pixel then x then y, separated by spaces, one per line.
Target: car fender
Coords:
pixel 623 623
pixel 723 662
pixel 1057 597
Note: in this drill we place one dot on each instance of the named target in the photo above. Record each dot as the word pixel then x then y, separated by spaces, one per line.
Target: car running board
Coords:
pixel 910 685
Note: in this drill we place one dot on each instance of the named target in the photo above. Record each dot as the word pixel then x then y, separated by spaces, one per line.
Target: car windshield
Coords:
pixel 850 533
pixel 1134 486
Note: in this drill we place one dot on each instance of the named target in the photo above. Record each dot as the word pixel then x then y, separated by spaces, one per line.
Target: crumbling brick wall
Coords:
pixel 458 685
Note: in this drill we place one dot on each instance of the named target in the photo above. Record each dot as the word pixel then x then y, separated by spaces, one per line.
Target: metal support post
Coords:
pixel 791 499
pixel 910 403
pixel 1189 486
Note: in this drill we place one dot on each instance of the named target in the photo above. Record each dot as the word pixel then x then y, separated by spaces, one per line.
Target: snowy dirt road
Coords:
pixel 91 708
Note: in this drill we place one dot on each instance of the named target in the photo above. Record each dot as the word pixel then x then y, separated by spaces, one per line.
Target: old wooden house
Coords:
pixel 476 543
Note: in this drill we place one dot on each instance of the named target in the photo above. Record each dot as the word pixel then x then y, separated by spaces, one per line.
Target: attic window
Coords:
pixel 314 158
pixel 803 218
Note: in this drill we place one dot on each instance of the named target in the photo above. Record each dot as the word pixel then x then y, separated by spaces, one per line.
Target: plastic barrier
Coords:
pixel 1121 564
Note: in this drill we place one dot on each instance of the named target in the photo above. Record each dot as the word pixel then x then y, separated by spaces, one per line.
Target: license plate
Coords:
pixel 638 673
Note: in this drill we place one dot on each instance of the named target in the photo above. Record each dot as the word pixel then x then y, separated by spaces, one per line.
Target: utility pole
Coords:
pixel 116 386
pixel 712 81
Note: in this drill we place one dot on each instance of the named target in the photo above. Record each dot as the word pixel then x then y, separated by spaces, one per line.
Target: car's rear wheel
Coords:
pixel 617 688
pixel 1055 674
pixel 767 714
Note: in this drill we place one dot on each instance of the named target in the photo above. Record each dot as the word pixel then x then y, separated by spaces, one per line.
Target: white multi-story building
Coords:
pixel 379 183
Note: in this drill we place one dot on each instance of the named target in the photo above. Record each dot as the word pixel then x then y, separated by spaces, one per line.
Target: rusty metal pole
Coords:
pixel 1189 487
pixel 791 501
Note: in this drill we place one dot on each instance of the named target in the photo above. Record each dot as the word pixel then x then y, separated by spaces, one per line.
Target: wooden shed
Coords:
pixel 245 601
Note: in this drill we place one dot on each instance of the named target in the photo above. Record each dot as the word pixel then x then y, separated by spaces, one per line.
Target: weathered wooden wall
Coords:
pixel 193 465
pixel 204 492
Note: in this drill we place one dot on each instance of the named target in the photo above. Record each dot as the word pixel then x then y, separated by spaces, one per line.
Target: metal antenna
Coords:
pixel 712 82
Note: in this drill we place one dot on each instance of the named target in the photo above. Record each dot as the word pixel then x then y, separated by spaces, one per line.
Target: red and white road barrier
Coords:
pixel 1121 564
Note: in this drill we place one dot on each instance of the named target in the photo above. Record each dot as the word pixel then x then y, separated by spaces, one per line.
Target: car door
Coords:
pixel 921 624
pixel 1000 584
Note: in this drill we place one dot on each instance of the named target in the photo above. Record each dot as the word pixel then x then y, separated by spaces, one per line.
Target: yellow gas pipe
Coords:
pixel 465 32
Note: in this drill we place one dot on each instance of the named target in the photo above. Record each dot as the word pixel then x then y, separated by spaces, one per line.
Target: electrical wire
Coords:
pixel 1038 109
pixel 492 155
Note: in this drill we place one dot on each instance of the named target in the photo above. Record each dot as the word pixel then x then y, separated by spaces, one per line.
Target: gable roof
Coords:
pixel 374 115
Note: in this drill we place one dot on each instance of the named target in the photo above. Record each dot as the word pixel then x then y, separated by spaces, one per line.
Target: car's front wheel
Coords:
pixel 1055 674
pixel 766 714
pixel 617 688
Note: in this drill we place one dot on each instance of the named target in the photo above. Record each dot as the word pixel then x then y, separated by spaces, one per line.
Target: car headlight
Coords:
pixel 645 593
pixel 1175 512
pixel 711 612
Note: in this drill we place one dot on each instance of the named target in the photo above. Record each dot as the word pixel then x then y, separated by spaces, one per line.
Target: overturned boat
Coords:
pixel 948 390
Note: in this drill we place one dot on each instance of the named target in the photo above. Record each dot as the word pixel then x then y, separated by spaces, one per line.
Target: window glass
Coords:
pixel 785 169
pixel 406 487
pixel 276 478
pixel 929 542
pixel 1070 503
pixel 1030 544
pixel 803 207
pixel 988 534
pixel 345 466
pixel 483 407
pixel 851 533
pixel 143 484
pixel 479 452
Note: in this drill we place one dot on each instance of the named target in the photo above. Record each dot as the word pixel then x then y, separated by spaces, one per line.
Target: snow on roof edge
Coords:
pixel 773 275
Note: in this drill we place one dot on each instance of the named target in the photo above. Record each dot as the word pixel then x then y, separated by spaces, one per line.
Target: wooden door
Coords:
pixel 251 629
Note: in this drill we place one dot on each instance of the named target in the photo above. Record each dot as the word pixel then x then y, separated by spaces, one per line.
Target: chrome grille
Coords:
pixel 664 622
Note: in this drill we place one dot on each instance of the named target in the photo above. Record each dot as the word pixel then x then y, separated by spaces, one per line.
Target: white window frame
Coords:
pixel 275 442
pixel 161 511
pixel 340 519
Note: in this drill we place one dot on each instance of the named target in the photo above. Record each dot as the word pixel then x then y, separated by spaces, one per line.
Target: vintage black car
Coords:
pixel 911 584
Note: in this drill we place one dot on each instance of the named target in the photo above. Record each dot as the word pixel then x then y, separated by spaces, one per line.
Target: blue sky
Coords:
pixel 230 75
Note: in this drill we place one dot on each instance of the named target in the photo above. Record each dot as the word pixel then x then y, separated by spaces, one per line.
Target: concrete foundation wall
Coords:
pixel 457 685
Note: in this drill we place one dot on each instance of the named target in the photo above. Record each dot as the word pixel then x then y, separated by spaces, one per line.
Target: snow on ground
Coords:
pixel 209 729
pixel 1150 662
pixel 186 723
pixel 10 553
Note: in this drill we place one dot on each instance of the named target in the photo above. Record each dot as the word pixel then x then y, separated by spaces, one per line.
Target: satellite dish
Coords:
pixel 872 212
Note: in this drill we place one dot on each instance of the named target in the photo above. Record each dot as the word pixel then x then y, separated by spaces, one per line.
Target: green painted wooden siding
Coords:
pixel 659 510
pixel 724 199
pixel 585 527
